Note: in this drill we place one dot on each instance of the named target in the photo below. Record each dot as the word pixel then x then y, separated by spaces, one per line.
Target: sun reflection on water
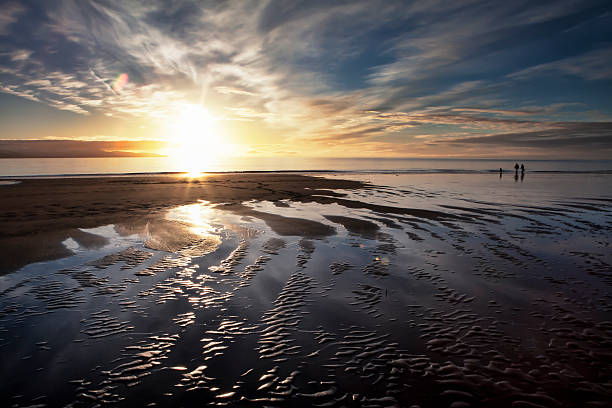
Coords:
pixel 199 216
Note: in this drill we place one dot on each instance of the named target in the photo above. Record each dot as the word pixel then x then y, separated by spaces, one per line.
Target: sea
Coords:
pixel 29 167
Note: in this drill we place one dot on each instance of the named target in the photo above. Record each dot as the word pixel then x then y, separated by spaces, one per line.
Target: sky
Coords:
pixel 312 78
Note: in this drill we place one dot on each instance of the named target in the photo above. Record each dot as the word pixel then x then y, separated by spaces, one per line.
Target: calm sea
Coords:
pixel 88 166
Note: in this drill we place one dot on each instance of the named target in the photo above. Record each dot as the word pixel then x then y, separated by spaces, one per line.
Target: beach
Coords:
pixel 286 289
pixel 38 214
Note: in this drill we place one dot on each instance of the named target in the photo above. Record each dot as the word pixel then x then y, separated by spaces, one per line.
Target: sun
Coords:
pixel 198 139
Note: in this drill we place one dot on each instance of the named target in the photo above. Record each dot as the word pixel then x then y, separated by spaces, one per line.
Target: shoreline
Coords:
pixel 304 172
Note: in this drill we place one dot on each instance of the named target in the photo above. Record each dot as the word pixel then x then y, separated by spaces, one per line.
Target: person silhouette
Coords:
pixel 516 167
pixel 500 172
pixel 522 168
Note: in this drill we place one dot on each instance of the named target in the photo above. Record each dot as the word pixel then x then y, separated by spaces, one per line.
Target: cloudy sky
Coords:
pixel 315 78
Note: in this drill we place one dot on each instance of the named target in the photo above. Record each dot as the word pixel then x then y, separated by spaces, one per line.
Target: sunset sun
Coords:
pixel 198 139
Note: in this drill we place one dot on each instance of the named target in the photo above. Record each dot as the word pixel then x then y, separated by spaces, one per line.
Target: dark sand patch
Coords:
pixel 286 226
pixel 365 229
pixel 34 247
pixel 387 210
pixel 88 240
pixel 44 246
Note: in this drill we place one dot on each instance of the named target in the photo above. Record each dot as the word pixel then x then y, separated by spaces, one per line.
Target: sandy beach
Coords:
pixel 293 290
pixel 38 214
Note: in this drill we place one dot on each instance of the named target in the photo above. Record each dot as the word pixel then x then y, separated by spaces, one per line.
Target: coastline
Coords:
pixel 120 167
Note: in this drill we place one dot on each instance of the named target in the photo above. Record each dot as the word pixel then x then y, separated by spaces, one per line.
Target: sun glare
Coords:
pixel 198 215
pixel 198 138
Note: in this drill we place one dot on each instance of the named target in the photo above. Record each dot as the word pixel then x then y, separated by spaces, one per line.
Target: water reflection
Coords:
pixel 198 216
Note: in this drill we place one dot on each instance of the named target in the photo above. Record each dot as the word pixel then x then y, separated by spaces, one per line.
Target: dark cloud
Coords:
pixel 78 148
pixel 10 14
pixel 580 135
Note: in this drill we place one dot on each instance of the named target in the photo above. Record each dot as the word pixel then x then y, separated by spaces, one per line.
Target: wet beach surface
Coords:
pixel 430 291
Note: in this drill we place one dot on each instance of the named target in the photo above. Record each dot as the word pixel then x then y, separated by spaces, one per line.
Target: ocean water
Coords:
pixel 125 165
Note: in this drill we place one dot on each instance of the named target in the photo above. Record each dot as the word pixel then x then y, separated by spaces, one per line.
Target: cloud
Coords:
pixel 502 112
pixel 12 90
pixel 20 55
pixel 592 65
pixel 366 73
pixel 79 148
pixel 10 14
pixel 579 135
pixel 229 91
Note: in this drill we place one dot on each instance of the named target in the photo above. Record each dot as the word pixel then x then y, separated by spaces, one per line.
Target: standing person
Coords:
pixel 516 167
pixel 500 172
pixel 522 168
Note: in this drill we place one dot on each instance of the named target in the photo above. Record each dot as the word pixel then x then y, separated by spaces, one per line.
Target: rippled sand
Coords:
pixel 408 294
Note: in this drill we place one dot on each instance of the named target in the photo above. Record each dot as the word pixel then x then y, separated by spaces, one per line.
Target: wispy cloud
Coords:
pixel 592 65
pixel 9 15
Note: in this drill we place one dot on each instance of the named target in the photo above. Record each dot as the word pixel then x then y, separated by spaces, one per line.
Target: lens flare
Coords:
pixel 120 82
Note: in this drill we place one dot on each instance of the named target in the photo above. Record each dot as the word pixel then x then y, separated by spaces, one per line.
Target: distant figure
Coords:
pixel 500 172
pixel 516 167
pixel 522 168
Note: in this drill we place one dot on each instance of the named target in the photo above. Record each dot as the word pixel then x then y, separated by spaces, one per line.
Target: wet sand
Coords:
pixel 36 215
pixel 286 290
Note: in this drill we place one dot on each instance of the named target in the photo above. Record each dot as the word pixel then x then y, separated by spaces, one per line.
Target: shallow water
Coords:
pixel 123 165
pixel 499 294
